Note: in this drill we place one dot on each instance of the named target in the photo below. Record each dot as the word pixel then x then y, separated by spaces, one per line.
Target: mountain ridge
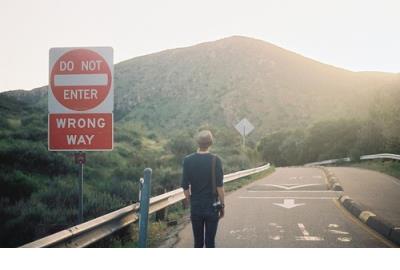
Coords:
pixel 220 82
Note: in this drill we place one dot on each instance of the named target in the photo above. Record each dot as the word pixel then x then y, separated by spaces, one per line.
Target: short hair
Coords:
pixel 204 139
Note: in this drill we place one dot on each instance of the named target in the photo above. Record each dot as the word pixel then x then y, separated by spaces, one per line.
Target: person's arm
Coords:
pixel 186 192
pixel 185 184
pixel 221 196
pixel 220 186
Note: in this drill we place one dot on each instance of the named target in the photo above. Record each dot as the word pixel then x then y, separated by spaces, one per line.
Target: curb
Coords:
pixel 333 183
pixel 373 221
pixel 395 235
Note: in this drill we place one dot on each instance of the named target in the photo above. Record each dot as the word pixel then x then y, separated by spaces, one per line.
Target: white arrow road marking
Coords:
pixel 290 186
pixel 288 204
pixel 306 235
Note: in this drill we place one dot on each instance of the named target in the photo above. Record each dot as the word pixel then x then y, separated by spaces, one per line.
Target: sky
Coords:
pixel 356 35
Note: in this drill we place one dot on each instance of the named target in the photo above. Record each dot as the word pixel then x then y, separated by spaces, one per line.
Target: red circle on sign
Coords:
pixel 80 79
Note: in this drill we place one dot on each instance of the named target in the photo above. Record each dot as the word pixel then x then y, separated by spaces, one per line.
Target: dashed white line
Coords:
pixel 306 235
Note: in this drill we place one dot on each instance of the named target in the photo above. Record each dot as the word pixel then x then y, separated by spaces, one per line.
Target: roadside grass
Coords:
pixel 160 231
pixel 389 167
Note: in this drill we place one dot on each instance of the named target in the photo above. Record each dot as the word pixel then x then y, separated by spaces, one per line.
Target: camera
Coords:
pixel 218 206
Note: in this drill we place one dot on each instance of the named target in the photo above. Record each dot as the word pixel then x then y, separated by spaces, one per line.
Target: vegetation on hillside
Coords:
pixel 39 189
pixel 377 133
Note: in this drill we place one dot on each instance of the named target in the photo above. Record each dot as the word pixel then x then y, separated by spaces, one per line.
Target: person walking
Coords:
pixel 202 183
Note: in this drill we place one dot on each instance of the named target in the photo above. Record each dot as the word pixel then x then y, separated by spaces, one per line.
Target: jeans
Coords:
pixel 204 223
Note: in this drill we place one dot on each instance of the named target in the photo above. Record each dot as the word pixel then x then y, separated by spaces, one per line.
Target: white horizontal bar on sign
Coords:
pixel 80 79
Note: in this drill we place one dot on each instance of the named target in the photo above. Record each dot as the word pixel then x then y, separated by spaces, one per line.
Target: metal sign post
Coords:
pixel 144 207
pixel 244 137
pixel 80 158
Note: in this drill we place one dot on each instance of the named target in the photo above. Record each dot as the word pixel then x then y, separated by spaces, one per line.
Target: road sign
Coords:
pixel 244 127
pixel 78 132
pixel 81 99
pixel 80 158
pixel 81 80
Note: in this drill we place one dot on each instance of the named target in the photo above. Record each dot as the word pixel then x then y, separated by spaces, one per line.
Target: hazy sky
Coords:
pixel 356 35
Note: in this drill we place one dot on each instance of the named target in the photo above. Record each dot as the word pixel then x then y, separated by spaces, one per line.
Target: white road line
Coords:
pixel 303 229
pixel 344 239
pixel 306 235
pixel 338 232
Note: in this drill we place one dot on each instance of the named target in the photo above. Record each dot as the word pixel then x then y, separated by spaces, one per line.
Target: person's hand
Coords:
pixel 222 213
pixel 185 203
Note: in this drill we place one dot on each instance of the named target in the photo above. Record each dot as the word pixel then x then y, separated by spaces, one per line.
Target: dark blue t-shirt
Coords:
pixel 197 174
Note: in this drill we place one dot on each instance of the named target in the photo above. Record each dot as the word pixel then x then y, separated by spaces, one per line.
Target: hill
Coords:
pixel 220 82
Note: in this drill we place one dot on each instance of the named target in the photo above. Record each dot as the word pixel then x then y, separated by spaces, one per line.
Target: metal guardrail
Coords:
pixel 330 161
pixel 347 159
pixel 87 233
pixel 379 156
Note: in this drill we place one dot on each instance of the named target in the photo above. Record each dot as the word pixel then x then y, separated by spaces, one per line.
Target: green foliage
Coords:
pixel 32 157
pixel 390 167
pixel 326 140
pixel 269 147
pixel 181 145
pixel 330 139
pixel 15 185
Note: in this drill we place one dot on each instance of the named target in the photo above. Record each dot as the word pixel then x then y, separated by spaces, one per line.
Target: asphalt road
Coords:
pixel 290 208
pixel 378 192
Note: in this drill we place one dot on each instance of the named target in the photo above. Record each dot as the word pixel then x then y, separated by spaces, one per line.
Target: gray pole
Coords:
pixel 144 208
pixel 80 184
pixel 244 137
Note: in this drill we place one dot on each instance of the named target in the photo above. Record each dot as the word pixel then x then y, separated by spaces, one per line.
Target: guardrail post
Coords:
pixel 80 219
pixel 144 208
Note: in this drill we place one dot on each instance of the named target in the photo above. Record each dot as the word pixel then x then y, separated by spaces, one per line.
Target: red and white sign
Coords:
pixel 81 131
pixel 81 99
pixel 81 80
